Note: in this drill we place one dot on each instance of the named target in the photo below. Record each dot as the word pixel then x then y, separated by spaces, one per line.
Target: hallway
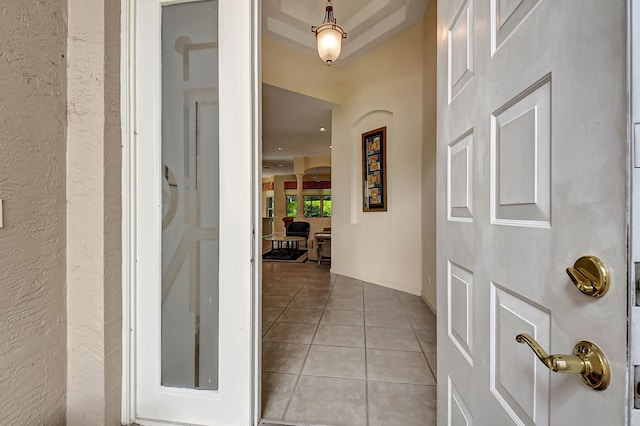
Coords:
pixel 337 351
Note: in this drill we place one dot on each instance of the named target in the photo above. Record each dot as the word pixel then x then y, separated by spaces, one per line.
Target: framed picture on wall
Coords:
pixel 374 170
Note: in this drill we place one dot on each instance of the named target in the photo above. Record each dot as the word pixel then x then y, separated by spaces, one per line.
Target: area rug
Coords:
pixel 285 256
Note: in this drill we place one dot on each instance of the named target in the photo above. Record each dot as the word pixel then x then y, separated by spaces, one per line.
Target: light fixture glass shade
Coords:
pixel 329 38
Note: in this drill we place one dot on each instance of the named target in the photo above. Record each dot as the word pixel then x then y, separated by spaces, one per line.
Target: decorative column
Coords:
pixel 300 211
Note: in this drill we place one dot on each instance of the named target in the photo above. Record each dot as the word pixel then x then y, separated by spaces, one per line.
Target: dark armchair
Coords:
pixel 299 229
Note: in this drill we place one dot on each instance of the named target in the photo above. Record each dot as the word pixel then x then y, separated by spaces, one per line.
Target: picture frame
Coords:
pixel 374 170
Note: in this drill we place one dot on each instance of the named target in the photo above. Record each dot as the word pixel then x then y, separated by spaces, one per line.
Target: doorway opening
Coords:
pixel 328 339
pixel 364 245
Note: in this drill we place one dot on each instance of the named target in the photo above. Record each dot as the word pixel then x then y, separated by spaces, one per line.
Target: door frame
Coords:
pixel 633 88
pixel 128 104
pixel 128 191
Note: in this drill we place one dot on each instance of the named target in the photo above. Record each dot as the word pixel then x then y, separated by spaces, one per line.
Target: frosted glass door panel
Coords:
pixel 190 195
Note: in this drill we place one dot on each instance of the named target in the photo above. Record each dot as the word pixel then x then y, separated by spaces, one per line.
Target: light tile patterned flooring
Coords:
pixel 337 351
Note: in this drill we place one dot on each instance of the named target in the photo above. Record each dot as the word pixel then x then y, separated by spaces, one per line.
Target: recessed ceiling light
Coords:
pixel 322 129
pixel 330 146
pixel 279 148
pixel 280 165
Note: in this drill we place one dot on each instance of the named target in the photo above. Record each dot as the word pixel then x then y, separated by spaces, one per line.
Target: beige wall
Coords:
pixel 385 90
pixel 302 165
pixel 32 185
pixel 94 296
pixel 429 74
pixel 302 73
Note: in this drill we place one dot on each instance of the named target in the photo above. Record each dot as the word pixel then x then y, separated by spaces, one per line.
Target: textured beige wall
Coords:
pixel 429 122
pixel 32 183
pixel 93 214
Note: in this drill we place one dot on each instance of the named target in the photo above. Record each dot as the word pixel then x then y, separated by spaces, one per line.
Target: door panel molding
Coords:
pixel 549 179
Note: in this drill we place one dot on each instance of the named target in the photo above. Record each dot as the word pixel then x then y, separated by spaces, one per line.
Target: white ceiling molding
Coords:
pixel 368 23
pixel 365 13
pixel 300 10
pixel 289 32
pixel 376 35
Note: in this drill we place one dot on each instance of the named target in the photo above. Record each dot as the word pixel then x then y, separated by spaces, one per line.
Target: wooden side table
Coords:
pixel 323 240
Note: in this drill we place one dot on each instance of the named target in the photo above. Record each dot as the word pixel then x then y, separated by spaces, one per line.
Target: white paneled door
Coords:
pixel 193 339
pixel 533 146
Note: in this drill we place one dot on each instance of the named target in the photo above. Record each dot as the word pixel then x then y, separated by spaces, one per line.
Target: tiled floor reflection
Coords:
pixel 337 351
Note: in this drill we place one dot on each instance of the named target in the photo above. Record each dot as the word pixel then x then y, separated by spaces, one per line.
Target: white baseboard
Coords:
pixel 431 307
pixel 410 290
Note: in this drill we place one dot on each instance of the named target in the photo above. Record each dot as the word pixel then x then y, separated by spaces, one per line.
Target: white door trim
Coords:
pixel 127 108
pixel 128 119
pixel 256 178
pixel 633 82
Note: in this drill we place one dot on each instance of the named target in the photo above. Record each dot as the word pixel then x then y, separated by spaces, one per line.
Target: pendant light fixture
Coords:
pixel 329 36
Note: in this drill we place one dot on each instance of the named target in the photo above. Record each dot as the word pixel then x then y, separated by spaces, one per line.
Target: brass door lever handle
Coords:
pixel 587 361
pixel 559 363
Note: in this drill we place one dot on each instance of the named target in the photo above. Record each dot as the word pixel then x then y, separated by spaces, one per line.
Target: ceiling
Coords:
pixel 291 121
pixel 290 128
pixel 368 23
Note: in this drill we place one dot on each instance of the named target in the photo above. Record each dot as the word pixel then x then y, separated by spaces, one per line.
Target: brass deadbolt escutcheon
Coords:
pixel 590 276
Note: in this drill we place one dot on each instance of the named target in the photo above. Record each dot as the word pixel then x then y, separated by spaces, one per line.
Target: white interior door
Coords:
pixel 194 179
pixel 533 163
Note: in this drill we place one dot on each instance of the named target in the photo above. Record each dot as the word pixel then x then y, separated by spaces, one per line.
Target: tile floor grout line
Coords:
pixel 434 373
pixel 262 297
pixel 404 308
pixel 419 344
pixel 272 324
pixel 359 380
pixel 285 308
pixel 295 386
pixel 331 346
pixel 366 370
pixel 336 377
